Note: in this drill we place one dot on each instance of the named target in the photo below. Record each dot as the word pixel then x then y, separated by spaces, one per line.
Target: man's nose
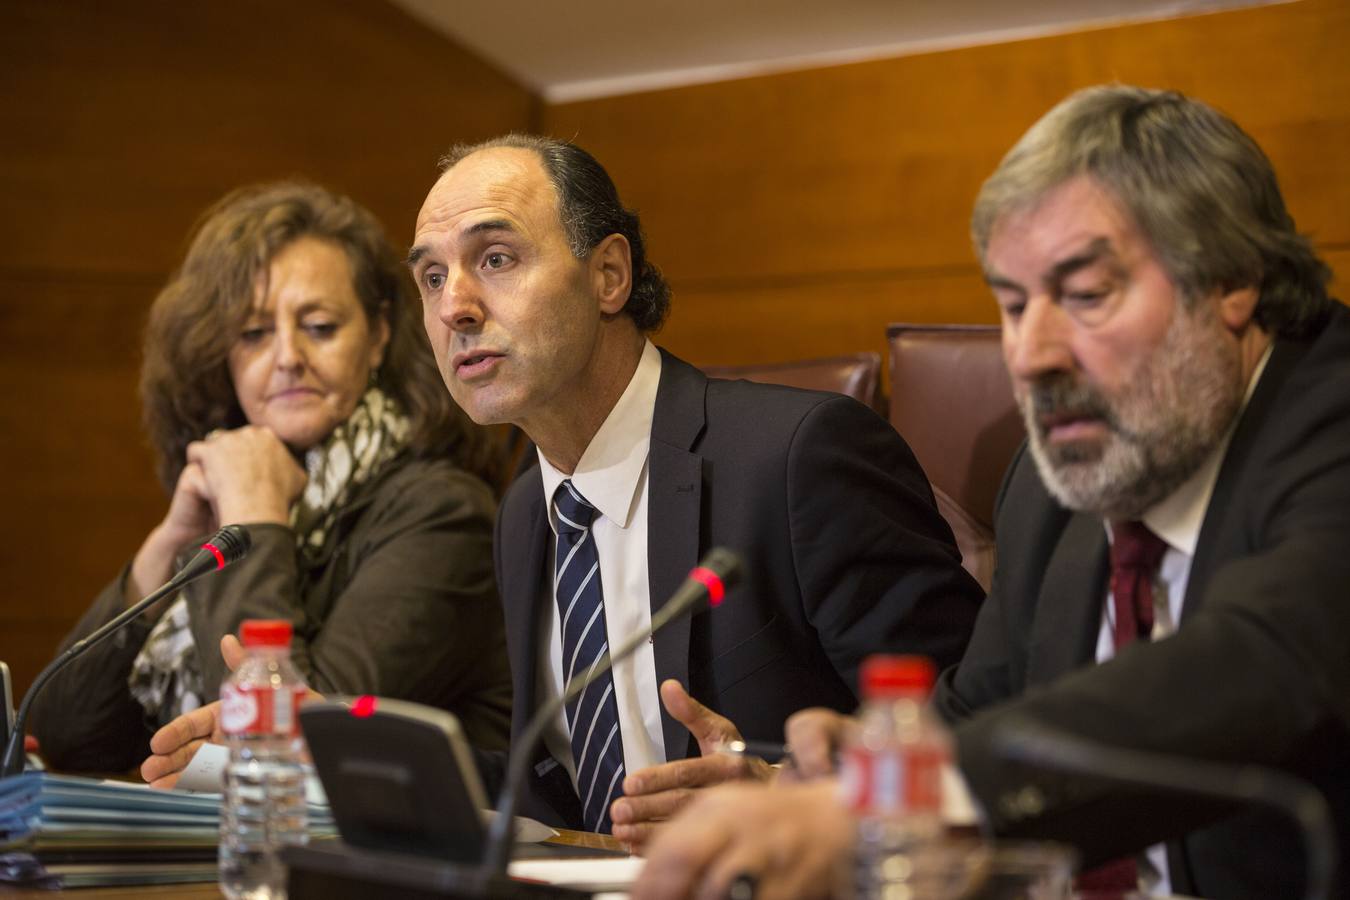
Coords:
pixel 461 307
pixel 1037 342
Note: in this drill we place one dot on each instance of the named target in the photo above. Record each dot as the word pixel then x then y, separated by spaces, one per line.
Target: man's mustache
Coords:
pixel 1063 397
pixel 1060 397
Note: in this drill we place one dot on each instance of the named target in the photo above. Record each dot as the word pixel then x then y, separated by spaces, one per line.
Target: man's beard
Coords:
pixel 1161 426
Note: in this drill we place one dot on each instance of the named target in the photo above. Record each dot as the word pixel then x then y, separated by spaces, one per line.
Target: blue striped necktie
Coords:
pixel 593 717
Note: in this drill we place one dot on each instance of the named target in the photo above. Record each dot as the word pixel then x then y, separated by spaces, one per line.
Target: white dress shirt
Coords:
pixel 612 476
pixel 1176 519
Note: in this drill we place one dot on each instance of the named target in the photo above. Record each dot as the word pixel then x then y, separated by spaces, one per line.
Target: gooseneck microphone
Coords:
pixel 706 583
pixel 227 545
pixel 1037 745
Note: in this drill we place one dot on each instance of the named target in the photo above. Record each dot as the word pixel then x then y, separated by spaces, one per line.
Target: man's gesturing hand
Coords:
pixel 788 840
pixel 657 792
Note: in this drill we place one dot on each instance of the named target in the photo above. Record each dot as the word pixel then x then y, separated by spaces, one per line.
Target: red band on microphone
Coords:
pixel 710 581
pixel 363 706
pixel 220 557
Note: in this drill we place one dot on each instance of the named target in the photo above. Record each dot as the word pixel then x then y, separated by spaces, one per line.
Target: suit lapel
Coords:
pixel 674 504
pixel 527 597
pixel 1068 611
pixel 1219 535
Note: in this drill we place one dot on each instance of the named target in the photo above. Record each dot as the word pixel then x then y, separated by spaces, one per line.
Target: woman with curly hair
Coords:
pixel 288 388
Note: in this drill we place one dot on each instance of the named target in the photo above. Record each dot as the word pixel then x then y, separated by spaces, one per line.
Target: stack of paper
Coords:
pixel 64 831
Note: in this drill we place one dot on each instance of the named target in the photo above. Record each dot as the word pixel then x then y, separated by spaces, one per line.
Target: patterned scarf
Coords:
pixel 164 677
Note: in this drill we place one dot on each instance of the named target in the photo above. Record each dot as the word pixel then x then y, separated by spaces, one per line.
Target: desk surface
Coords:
pixel 566 837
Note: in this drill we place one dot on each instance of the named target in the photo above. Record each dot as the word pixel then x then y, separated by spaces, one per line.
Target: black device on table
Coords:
pixel 407 799
pixel 406 795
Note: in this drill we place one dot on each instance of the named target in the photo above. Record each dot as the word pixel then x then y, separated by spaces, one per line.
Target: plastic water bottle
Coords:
pixel 892 780
pixel 264 803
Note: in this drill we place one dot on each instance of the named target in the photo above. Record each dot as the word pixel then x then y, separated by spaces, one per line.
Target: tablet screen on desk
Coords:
pixel 399 776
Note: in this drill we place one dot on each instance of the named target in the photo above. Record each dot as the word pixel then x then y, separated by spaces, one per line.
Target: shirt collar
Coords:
pixel 610 470
pixel 1177 517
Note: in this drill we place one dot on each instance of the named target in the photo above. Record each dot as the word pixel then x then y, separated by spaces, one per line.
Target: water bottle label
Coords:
pixel 238 709
pixel 260 710
pixel 894 780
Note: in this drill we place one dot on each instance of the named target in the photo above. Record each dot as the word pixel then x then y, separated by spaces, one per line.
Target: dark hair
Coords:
pixel 590 210
pixel 186 387
pixel 1196 184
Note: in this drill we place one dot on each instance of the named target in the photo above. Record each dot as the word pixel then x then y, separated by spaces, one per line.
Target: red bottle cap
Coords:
pixel 265 633
pixel 885 676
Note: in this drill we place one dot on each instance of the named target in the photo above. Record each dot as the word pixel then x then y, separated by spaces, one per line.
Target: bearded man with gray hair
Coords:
pixel 1173 542
pixel 1184 515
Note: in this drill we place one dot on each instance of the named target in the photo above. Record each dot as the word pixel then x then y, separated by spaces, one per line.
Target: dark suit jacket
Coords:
pixel 845 555
pixel 1257 672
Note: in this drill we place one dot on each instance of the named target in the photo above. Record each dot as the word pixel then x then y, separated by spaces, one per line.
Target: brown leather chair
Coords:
pixel 857 375
pixel 952 401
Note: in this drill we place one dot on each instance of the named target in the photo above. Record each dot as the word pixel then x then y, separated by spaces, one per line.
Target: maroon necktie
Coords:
pixel 1135 555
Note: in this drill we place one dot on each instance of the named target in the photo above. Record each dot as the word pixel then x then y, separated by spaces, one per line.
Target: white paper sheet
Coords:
pixel 605 874
pixel 206 771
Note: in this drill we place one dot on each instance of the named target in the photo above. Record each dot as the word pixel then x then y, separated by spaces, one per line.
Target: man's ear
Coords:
pixel 1237 307
pixel 611 273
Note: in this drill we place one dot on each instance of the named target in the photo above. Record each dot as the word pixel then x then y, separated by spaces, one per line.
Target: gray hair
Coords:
pixel 590 209
pixel 1196 184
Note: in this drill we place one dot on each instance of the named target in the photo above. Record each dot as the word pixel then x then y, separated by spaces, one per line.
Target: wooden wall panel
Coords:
pixel 786 319
pixel 798 213
pixel 119 124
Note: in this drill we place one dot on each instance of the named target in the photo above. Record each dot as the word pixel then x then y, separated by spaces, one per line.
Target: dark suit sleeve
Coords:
pixel 993 666
pixel 417 619
pixel 1260 673
pixel 85 719
pixel 878 567
pixel 491 766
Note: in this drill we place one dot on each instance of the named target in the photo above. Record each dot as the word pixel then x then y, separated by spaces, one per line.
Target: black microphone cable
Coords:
pixel 227 545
